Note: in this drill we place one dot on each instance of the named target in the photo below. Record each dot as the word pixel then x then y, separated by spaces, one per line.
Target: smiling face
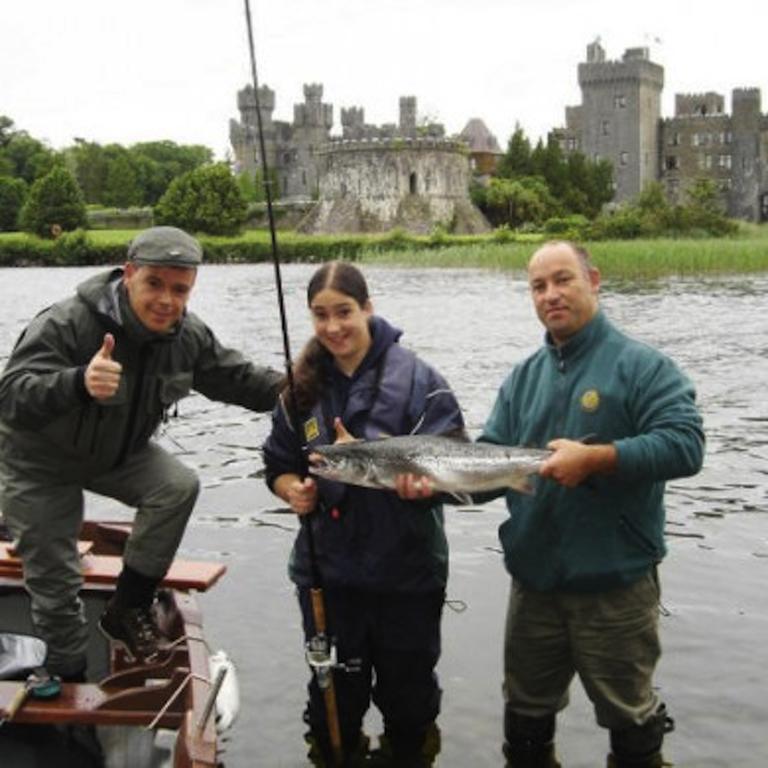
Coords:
pixel 341 326
pixel 564 290
pixel 158 295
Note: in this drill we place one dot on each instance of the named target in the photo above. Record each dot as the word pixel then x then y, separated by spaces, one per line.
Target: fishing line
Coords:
pixel 323 675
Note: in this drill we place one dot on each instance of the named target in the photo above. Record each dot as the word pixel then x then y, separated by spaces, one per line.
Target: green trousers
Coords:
pixel 610 639
pixel 43 508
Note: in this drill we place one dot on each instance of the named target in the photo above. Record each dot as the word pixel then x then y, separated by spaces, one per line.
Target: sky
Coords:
pixel 170 69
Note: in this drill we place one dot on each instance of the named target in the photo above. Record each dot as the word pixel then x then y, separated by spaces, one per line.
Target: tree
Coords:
pixel 519 201
pixel 121 185
pixel 207 199
pixel 29 158
pixel 90 167
pixel 12 195
pixel 158 163
pixel 54 201
pixel 517 159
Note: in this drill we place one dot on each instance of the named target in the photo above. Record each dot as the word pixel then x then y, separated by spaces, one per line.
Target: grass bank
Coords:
pixel 743 253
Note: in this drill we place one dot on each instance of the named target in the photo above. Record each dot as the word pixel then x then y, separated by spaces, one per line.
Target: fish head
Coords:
pixel 341 463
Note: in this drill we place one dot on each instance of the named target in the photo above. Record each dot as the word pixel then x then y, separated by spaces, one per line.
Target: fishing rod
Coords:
pixel 321 654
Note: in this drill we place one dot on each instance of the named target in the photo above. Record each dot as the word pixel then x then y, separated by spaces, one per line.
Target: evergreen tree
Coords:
pixel 55 202
pixel 517 159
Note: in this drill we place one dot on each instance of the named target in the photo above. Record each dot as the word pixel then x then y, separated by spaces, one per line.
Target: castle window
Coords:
pixel 695 140
pixel 705 161
pixel 725 185
pixel 624 158
pixel 412 186
pixel 674 139
pixel 304 178
pixel 619 101
pixel 724 161
pixel 728 137
pixel 605 127
pixel 672 163
pixel 572 143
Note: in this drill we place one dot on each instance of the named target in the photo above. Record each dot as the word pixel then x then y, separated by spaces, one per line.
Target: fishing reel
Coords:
pixel 320 652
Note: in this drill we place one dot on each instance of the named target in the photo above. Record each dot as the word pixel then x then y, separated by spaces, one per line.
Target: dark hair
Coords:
pixel 338 276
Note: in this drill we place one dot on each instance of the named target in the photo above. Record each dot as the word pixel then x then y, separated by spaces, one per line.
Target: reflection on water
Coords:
pixel 473 326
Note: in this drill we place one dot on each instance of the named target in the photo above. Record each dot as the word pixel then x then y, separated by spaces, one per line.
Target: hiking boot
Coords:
pixel 134 629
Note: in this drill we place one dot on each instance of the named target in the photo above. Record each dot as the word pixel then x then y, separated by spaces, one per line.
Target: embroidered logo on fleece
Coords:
pixel 590 400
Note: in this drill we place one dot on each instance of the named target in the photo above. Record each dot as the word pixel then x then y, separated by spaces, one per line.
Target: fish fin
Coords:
pixel 463 498
pixel 528 488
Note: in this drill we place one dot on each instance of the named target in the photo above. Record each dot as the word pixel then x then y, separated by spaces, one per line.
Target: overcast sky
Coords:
pixel 143 70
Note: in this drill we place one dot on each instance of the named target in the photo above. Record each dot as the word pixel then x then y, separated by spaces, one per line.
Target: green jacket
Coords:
pixel 610 530
pixel 47 419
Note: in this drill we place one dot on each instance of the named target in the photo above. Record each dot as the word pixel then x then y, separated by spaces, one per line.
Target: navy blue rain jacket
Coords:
pixel 366 538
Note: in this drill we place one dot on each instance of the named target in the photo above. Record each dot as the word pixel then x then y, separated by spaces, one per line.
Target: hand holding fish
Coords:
pixel 411 487
pixel 572 462
pixel 342 436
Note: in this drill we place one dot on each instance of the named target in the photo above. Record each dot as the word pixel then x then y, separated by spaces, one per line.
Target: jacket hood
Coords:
pixel 383 336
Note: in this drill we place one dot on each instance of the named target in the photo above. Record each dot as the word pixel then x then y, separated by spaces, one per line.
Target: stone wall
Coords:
pixel 375 186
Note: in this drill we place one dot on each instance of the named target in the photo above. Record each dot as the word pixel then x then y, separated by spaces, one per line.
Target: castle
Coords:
pixel 620 120
pixel 371 178
pixel 374 178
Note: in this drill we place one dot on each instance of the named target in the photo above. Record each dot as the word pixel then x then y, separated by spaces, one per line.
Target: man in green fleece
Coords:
pixel 583 549
pixel 85 387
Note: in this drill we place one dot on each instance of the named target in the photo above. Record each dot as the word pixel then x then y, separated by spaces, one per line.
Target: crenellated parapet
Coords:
pixel 393 144
pixel 635 66
pixel 699 104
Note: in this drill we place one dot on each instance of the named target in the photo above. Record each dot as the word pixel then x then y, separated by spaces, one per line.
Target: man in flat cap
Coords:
pixel 85 387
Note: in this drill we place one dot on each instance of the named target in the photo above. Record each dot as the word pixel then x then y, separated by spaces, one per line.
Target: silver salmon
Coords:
pixel 453 465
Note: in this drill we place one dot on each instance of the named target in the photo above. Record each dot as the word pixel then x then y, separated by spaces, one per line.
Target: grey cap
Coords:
pixel 165 247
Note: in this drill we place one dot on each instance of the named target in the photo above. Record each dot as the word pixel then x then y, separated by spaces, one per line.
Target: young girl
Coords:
pixel 382 559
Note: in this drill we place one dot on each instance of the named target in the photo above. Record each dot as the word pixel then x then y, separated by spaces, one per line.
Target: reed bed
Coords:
pixel 619 259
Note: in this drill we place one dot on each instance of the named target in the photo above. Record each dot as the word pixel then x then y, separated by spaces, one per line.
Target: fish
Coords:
pixel 454 466
pixel 228 696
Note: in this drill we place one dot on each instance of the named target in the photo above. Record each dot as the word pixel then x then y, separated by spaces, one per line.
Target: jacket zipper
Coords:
pixel 135 401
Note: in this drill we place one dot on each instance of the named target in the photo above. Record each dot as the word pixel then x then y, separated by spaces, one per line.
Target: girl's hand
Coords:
pixel 302 496
pixel 413 487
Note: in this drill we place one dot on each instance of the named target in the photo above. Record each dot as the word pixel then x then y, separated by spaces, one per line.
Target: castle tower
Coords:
pixel 243 135
pixel 312 122
pixel 620 115
pixel 749 163
pixel 408 116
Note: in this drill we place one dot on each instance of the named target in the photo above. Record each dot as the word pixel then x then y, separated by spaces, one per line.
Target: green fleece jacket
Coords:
pixel 47 419
pixel 610 530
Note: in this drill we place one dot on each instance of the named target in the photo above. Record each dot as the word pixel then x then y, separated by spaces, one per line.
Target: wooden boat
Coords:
pixel 176 693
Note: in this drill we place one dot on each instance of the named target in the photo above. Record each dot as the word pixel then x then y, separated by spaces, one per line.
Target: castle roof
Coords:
pixel 479 138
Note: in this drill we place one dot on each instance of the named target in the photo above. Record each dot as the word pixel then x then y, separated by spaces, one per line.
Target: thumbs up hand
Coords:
pixel 102 376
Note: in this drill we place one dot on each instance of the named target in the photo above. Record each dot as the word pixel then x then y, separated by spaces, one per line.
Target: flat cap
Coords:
pixel 165 247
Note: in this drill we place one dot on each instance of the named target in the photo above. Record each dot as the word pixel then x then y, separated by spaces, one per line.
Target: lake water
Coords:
pixel 473 326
